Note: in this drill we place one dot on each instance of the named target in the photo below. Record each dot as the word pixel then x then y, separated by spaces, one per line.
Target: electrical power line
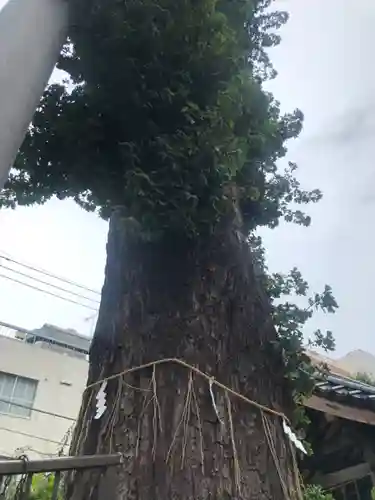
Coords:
pixel 31 408
pixel 25 275
pixel 23 449
pixel 47 273
pixel 4 276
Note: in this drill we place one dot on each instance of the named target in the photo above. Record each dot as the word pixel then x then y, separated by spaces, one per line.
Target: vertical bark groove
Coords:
pixel 201 303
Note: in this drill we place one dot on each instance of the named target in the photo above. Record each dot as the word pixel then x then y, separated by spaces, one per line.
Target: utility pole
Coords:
pixel 31 35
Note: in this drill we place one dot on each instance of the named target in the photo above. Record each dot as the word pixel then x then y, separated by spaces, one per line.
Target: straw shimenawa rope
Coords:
pixel 211 380
pixel 227 390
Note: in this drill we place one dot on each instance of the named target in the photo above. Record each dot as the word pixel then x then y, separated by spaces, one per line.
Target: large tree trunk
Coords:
pixel 198 302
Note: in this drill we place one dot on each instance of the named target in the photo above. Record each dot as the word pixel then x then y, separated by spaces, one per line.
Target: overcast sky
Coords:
pixel 325 68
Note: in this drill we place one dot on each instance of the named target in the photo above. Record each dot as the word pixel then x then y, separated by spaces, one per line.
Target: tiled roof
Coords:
pixel 346 390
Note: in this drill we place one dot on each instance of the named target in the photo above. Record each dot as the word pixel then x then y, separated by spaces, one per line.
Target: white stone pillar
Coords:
pixel 31 35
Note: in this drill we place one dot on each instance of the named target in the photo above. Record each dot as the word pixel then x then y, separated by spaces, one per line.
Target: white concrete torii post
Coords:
pixel 31 35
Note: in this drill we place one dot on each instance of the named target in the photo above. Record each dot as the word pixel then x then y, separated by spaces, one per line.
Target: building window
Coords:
pixel 17 394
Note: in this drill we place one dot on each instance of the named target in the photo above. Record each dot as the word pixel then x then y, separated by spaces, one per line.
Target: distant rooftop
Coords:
pixel 52 335
pixel 66 337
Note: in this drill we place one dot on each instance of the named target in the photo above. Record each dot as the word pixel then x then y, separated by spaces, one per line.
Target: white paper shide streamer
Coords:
pixel 294 439
pixel 214 402
pixel 101 401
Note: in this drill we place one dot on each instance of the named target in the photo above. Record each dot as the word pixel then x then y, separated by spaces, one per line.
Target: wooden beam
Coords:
pixel 339 410
pixel 343 476
pixel 369 456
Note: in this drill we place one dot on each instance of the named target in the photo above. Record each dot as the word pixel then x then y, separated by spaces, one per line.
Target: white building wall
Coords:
pixel 31 35
pixel 61 381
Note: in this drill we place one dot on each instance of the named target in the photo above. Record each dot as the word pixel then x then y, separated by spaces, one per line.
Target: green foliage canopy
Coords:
pixel 166 110
pixel 293 304
pixel 42 487
pixel 315 492
pixel 367 378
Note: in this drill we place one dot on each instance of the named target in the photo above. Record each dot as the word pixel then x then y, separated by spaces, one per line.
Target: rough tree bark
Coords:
pixel 201 303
